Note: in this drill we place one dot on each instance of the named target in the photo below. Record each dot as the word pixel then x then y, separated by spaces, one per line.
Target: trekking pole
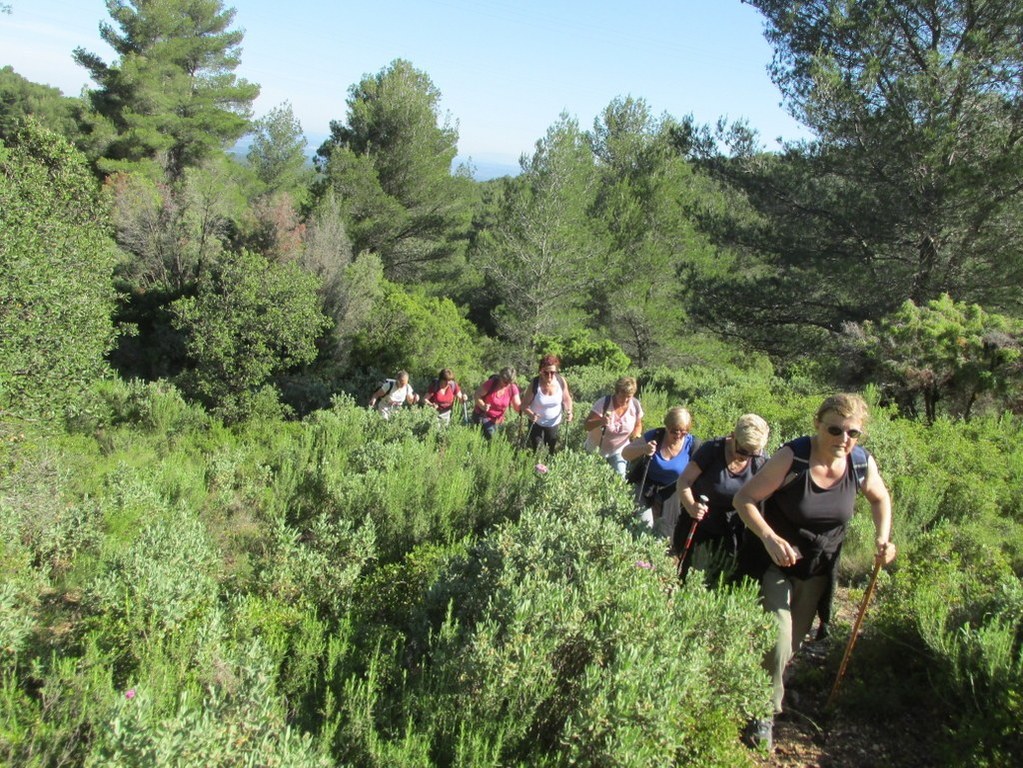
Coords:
pixel 689 538
pixel 855 630
pixel 642 485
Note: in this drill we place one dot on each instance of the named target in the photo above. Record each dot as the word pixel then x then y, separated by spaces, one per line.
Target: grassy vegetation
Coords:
pixel 352 591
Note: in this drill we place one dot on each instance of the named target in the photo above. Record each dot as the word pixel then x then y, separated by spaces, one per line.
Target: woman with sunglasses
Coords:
pixel 717 471
pixel 545 402
pixel 808 490
pixel 667 452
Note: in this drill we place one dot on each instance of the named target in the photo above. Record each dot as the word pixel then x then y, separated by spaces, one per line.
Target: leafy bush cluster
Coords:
pixel 363 591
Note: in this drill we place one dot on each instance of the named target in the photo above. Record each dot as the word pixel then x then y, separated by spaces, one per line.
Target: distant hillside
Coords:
pixel 484 168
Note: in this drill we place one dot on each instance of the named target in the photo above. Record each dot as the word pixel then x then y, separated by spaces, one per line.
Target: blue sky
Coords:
pixel 506 69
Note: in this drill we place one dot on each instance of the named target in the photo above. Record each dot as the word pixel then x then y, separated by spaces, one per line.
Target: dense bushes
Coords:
pixel 378 592
pixel 56 261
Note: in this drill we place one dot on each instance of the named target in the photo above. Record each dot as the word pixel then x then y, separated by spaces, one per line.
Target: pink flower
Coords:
pixel 644 564
pixel 129 694
pixel 541 469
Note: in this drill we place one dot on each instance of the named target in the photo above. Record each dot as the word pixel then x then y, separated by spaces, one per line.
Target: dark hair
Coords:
pixel 446 374
pixel 550 360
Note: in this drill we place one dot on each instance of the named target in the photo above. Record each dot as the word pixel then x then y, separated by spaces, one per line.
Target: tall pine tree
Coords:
pixel 172 96
pixel 391 165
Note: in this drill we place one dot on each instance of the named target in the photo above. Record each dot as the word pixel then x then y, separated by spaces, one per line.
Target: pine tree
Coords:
pixel 172 96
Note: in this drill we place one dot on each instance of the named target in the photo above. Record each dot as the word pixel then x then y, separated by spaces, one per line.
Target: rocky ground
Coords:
pixel 808 737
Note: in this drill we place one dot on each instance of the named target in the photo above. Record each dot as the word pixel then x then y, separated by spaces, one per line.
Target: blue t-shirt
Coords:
pixel 666 471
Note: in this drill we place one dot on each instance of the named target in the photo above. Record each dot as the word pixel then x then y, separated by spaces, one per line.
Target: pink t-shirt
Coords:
pixel 616 436
pixel 498 399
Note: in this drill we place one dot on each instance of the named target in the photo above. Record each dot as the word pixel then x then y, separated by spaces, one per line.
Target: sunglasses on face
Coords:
pixel 548 373
pixel 739 450
pixel 836 431
pixel 679 431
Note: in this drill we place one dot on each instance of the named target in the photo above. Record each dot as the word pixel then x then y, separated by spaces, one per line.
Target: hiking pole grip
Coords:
pixel 878 562
pixel 692 533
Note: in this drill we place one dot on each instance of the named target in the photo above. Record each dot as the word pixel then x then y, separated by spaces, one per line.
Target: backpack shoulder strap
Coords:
pixel 607 402
pixel 801 462
pixel 390 385
pixel 860 465
pixel 800 459
pixel 534 385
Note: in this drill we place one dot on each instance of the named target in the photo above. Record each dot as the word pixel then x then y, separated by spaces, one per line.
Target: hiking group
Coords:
pixel 778 520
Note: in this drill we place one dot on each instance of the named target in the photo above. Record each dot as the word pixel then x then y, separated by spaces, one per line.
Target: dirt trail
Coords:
pixel 807 738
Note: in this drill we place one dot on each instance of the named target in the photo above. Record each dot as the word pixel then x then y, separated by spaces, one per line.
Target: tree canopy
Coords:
pixel 913 181
pixel 390 164
pixel 172 96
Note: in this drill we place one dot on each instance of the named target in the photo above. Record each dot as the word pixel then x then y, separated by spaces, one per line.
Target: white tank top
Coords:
pixel 548 408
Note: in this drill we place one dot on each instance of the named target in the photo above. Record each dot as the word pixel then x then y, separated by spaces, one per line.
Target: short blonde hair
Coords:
pixel 846 405
pixel 626 385
pixel 751 431
pixel 678 417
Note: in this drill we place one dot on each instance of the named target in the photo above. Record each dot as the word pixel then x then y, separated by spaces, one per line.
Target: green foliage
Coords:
pixel 249 320
pixel 558 650
pixel 171 98
pixel 394 592
pixel 909 189
pixel 244 727
pixel 161 582
pixel 538 255
pixel 390 165
pixel 55 268
pixel 944 350
pixel 581 347
pixel 277 152
pixel 412 331
pixel 642 187
pixel 21 99
pixel 966 606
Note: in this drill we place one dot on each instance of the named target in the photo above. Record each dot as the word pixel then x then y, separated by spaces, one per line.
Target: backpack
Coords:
pixel 390 386
pixel 801 462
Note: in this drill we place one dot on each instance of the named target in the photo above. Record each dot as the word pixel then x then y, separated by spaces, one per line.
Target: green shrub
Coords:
pixel 958 602
pixel 161 581
pixel 566 643
pixel 244 727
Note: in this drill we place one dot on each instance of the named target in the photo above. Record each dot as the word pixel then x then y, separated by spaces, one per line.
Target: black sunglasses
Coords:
pixel 744 452
pixel 836 431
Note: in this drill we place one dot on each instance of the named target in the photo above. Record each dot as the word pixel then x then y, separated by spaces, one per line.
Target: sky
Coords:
pixel 506 69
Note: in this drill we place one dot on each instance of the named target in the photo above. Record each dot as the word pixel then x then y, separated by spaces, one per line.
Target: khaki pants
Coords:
pixel 794 604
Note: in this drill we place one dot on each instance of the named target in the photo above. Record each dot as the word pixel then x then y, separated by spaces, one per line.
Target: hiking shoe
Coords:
pixel 822 631
pixel 759 734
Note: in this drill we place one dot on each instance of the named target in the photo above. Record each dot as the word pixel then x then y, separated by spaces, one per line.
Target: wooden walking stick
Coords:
pixel 879 561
